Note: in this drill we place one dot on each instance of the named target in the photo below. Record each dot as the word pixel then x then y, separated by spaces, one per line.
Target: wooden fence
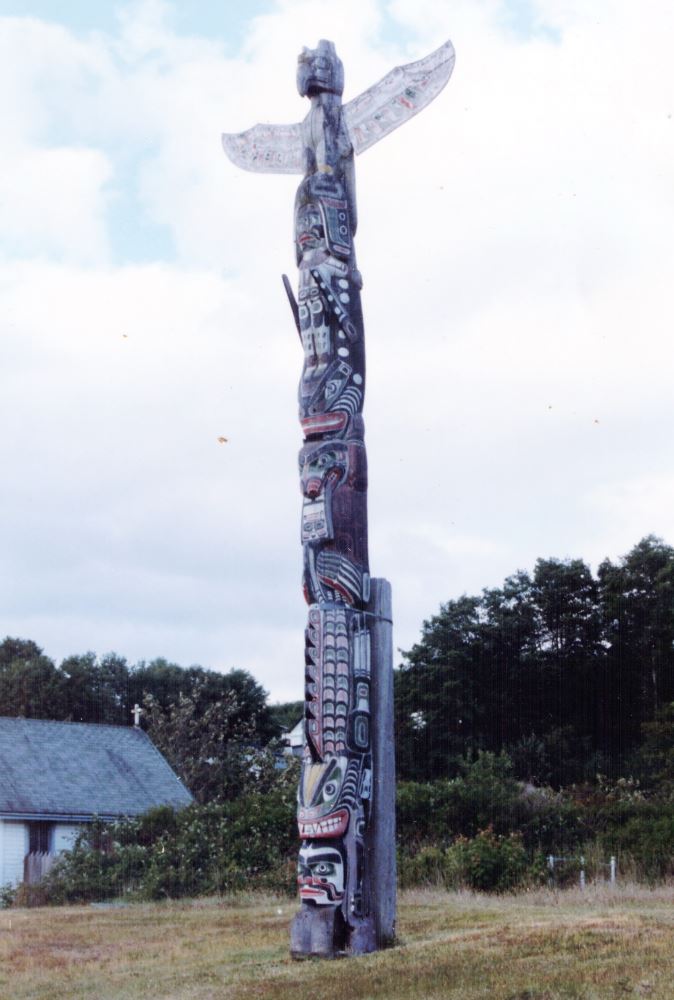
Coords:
pixel 36 866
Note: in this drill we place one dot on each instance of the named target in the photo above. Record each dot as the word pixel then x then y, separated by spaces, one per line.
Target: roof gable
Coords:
pixel 80 770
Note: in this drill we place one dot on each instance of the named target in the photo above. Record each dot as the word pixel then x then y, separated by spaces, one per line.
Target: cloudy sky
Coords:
pixel 516 245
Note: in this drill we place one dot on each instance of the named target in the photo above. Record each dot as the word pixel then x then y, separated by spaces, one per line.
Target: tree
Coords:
pixel 637 596
pixel 167 683
pixel 214 749
pixel 96 690
pixel 510 656
pixel 570 658
pixel 559 669
pixel 13 650
pixel 30 684
pixel 656 754
pixel 437 701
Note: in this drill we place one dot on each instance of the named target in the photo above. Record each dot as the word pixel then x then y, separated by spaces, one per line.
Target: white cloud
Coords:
pixel 53 202
pixel 515 244
pixel 624 505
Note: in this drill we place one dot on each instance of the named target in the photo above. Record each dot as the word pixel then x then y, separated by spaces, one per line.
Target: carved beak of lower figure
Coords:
pixel 313 487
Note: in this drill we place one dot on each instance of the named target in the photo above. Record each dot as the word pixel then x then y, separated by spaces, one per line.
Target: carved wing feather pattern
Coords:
pixel 399 96
pixel 272 149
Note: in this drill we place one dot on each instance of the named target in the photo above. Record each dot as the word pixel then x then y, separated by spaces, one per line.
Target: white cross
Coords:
pixel 137 712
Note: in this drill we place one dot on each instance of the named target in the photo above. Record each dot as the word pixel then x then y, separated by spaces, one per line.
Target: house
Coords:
pixel 57 776
pixel 293 741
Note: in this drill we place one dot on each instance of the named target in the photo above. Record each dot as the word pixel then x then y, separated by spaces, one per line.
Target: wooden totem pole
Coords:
pixel 346 798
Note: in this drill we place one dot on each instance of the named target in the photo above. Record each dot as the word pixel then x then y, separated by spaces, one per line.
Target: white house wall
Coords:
pixel 64 836
pixel 14 846
pixel 13 849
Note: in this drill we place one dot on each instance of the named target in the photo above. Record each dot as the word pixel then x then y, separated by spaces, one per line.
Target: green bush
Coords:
pixel 644 842
pixel 248 843
pixel 485 795
pixel 487 862
pixel 491 863
pixel 426 867
pixel 7 895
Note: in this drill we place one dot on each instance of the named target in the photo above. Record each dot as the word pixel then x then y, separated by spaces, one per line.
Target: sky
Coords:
pixel 515 241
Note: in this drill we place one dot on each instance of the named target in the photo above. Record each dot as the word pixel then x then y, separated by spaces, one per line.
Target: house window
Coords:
pixel 40 837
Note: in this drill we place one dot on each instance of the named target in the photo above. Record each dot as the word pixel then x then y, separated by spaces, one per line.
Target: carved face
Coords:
pixel 320 71
pixel 331 795
pixel 322 466
pixel 320 873
pixel 309 229
pixel 319 793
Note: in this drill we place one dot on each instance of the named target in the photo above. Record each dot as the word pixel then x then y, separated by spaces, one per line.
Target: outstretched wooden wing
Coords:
pixel 399 96
pixel 274 149
pixel 279 149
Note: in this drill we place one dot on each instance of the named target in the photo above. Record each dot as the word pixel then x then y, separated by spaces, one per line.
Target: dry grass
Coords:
pixel 453 946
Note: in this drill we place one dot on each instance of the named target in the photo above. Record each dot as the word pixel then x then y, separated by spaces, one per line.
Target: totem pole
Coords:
pixel 346 800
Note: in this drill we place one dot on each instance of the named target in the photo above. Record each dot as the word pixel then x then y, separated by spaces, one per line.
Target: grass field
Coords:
pixel 534 946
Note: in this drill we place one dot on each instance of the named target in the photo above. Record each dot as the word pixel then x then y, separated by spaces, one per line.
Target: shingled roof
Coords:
pixel 74 770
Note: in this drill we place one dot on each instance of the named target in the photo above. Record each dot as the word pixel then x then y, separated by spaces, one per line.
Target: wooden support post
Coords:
pixel 381 837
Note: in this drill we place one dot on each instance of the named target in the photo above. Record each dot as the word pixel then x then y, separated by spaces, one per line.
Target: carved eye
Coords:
pixel 330 790
pixel 324 868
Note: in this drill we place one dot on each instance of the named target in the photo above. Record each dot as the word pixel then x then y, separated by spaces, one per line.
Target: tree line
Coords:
pixel 104 690
pixel 212 727
pixel 570 673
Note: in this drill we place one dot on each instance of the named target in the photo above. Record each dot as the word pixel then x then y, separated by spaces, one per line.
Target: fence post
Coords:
pixel 613 869
pixel 582 872
pixel 551 866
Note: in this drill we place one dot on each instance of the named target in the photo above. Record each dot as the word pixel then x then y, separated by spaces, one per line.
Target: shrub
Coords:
pixel 489 862
pixel 248 843
pixel 486 795
pixel 425 867
pixel 7 895
pixel 645 841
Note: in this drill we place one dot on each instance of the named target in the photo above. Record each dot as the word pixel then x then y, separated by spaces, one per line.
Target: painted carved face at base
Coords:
pixel 320 873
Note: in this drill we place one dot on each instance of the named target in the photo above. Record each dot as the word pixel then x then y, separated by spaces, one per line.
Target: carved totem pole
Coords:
pixel 346 799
